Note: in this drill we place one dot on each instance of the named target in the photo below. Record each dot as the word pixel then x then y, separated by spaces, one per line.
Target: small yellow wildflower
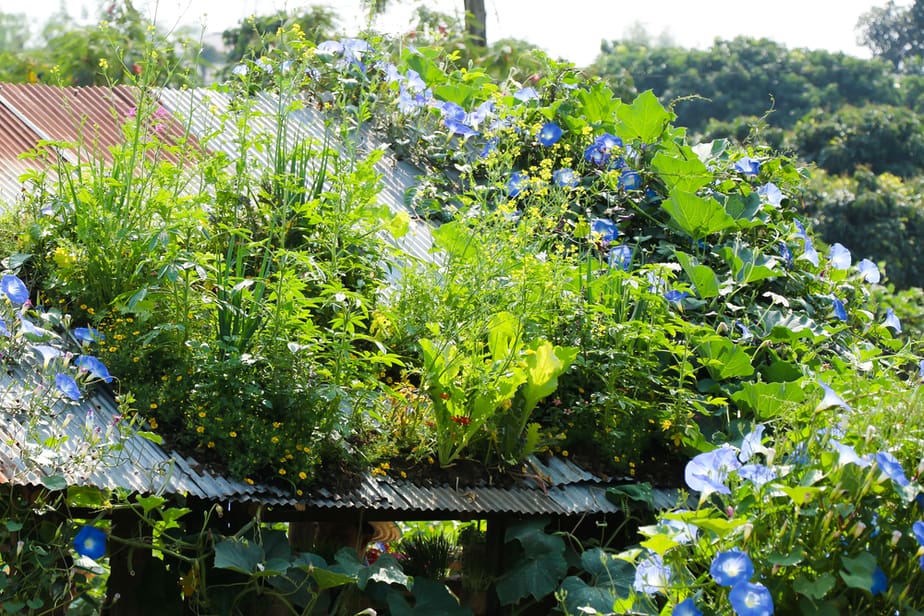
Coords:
pixel 232 434
pixel 303 475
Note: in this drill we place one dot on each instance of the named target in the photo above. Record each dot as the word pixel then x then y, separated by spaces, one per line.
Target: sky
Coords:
pixel 570 29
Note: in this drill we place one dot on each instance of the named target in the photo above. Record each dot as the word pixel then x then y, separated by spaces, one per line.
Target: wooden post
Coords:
pixel 494 540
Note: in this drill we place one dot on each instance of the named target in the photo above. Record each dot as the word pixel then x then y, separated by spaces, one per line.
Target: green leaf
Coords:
pixel 703 278
pixel 858 571
pixel 597 105
pixel 85 496
pixel 398 225
pixel 238 555
pixel 544 364
pixel 12 527
pixel 540 569
pixel 430 598
pixel 817 588
pixel 386 570
pixel 724 359
pixel 787 560
pixel 579 595
pixel 644 120
pixel 638 492
pixel 455 93
pixel 503 336
pixel 696 216
pixel 743 209
pixel 151 436
pixel 748 265
pixel 659 543
pixel 54 482
pixel 150 502
pixel 767 400
pixel 800 495
pixel 681 171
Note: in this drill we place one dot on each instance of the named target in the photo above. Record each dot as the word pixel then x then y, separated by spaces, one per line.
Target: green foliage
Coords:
pixel 884 138
pixel 893 33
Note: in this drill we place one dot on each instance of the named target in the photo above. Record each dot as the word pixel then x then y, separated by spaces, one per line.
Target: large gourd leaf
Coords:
pixel 696 216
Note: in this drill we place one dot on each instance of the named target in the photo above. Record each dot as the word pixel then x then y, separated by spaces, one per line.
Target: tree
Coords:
pixel 894 33
pixel 476 22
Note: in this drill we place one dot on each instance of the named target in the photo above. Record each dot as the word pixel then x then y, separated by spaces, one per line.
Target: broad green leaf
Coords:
pixel 743 209
pixel 326 579
pixel 787 560
pixel 428 70
pixel 814 589
pixel 858 571
pixel 767 400
pixel 54 482
pixel 455 93
pixel 598 106
pixel 503 336
pixel 638 492
pixel 579 595
pixel 696 216
pixel 724 359
pixel 238 555
pixel 659 544
pixel 386 570
pixel 544 364
pixel 644 120
pixel 719 526
pixel 149 503
pixel 800 495
pixel 541 567
pixel 787 327
pixel 682 170
pixel 747 265
pixel 398 225
pixel 87 497
pixel 151 436
pixel 430 598
pixel 703 278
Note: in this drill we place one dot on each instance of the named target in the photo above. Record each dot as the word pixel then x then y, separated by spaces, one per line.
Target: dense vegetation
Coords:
pixel 603 285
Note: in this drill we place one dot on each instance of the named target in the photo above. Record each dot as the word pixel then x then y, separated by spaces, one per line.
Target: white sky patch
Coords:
pixel 571 29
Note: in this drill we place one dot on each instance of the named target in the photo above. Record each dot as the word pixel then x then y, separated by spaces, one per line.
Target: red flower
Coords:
pixel 462 421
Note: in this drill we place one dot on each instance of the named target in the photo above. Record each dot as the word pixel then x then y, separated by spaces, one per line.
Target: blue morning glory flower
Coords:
pixel 620 257
pixel 6 332
pixel 770 193
pixel 675 297
pixel 90 542
pixel 686 608
pixel 891 468
pixel 749 599
pixel 758 474
pixel 848 455
pixel 750 444
pixel 517 183
pixel 489 146
pixel 94 366
pixel 329 47
pixel 786 254
pixel 708 471
pixel 918 529
pixel 549 134
pixel 414 82
pixel 892 321
pixel 880 582
pixel 920 364
pixel 458 128
pixel 409 102
pixel 33 332
pixel 526 94
pixel 67 386
pixel 608 142
pixel 48 353
pixel 15 289
pixel 565 177
pixel 745 332
pixel 604 229
pixel 747 166
pixel 240 70
pixel 651 575
pixel 830 399
pixel 263 65
pixel 451 111
pixel 809 253
pixel 88 334
pixel 839 257
pixel 286 66
pixel 731 567
pixel 480 114
pixel 598 153
pixel 839 311
pixel 595 155
pixel 869 271
pixel 630 180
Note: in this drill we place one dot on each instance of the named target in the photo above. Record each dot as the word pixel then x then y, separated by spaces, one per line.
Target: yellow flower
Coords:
pixel 666 425
pixel 153 423
pixel 153 405
pixel 200 429
pixel 564 452
pixel 248 480
pixel 282 471
pixel 232 434
pixel 303 475
pixel 275 439
pixel 211 445
pixel 201 413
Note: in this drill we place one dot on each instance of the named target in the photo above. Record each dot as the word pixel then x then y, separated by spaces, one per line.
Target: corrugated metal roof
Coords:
pixel 144 467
